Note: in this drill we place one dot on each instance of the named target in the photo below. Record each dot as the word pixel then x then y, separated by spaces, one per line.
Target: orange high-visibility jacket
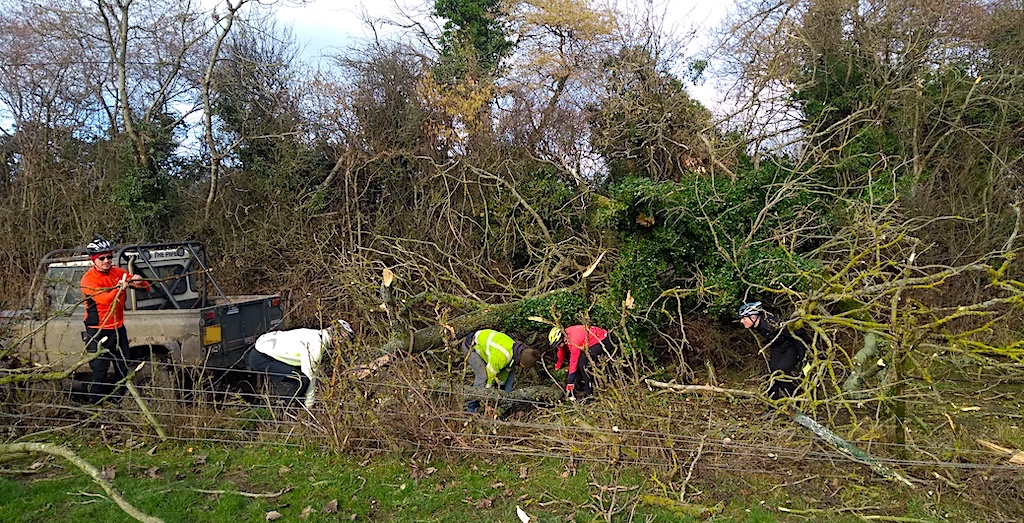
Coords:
pixel 104 305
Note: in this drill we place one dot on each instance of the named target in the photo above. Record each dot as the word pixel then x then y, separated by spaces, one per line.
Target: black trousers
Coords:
pixel 584 383
pixel 288 383
pixel 783 385
pixel 103 382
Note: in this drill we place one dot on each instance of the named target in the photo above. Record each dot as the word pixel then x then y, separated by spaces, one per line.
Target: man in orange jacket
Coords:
pixel 103 288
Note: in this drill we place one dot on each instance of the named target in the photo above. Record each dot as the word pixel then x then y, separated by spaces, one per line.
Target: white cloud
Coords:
pixel 325 27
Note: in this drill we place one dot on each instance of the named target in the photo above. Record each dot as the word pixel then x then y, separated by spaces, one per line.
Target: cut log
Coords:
pixel 362 372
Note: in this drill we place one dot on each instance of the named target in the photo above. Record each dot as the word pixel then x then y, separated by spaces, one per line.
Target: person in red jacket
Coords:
pixel 584 346
pixel 103 288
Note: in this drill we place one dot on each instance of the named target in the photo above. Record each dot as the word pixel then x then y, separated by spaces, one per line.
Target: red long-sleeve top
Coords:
pixel 104 304
pixel 578 339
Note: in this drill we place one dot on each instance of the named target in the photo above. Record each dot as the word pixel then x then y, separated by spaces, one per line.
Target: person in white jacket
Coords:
pixel 289 359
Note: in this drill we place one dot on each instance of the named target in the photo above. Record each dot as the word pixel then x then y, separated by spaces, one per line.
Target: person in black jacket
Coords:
pixel 785 350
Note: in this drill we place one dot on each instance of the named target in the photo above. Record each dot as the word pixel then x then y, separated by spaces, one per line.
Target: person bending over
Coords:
pixel 494 357
pixel 584 346
pixel 785 350
pixel 290 358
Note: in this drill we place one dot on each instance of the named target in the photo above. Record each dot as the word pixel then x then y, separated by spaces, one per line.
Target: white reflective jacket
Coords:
pixel 300 348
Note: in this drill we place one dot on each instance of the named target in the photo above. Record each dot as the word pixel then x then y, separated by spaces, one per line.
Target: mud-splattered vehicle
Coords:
pixel 184 322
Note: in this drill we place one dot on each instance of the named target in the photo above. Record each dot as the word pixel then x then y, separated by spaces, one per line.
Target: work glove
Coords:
pixel 569 387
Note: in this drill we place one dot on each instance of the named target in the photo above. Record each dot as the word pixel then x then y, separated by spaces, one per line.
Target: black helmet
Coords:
pixel 99 245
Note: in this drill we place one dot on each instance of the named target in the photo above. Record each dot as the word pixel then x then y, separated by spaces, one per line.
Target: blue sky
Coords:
pixel 323 26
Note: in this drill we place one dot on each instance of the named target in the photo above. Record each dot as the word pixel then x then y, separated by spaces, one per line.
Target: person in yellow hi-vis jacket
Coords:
pixel 494 356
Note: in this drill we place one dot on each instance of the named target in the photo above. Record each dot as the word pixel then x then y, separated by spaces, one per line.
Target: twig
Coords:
pixel 689 473
pixel 700 389
pixel 892 518
pixel 243 494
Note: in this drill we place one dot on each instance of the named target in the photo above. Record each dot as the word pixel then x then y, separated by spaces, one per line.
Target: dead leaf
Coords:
pixel 306 512
pixel 629 302
pixel 522 515
pixel 388 276
pixel 593 266
pixel 331 507
pixel 273 515
pixel 485 503
pixel 36 466
pixel 283 470
pixel 497 485
pixel 522 472
pixel 108 472
pixel 644 220
pixel 153 472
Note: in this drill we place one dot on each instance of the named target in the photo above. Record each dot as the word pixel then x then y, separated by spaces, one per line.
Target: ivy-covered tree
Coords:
pixel 474 40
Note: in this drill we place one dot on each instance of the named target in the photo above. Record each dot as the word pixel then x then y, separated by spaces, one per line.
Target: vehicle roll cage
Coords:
pixel 141 254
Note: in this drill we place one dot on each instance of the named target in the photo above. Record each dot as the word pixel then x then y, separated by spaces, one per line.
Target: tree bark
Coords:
pixel 84 466
pixel 436 336
pixel 849 449
pixel 520 398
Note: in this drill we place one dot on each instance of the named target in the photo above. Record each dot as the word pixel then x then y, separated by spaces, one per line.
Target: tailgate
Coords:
pixel 229 329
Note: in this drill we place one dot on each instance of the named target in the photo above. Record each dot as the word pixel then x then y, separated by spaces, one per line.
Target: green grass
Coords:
pixel 165 485
pixel 390 488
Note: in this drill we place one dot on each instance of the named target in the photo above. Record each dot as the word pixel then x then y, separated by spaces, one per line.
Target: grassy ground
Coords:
pixel 168 482
pixel 388 451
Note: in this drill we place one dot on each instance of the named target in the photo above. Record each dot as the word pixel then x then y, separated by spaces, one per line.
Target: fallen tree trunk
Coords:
pixel 436 336
pixel 518 399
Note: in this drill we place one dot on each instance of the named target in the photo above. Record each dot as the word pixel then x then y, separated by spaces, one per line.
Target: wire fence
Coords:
pixel 403 409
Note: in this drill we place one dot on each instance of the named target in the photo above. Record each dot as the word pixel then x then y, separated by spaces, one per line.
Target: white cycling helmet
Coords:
pixel 344 325
pixel 749 309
